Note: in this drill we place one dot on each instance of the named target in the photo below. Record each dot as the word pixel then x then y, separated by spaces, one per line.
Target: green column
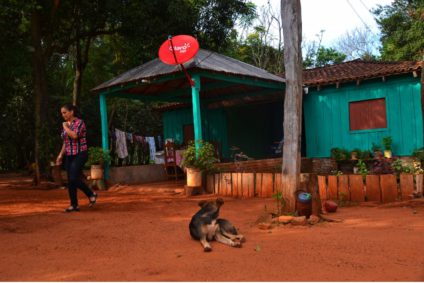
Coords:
pixel 105 134
pixel 197 122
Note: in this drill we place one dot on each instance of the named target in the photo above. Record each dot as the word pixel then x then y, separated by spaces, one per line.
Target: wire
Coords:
pixel 357 14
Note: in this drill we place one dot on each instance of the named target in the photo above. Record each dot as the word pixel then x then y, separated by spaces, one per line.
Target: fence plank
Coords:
pixel 235 184
pixel 217 183
pixel 225 187
pixel 406 186
pixel 258 185
pixel 248 181
pixel 389 191
pixel 356 188
pixel 267 185
pixel 332 187
pixel 373 190
pixel 322 187
pixel 344 193
pixel 210 184
pixel 419 183
pixel 278 187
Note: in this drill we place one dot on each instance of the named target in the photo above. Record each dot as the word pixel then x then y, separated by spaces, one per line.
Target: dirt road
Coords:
pixel 141 234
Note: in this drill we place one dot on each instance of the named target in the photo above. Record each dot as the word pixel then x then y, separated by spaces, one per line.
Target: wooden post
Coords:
pixel 292 31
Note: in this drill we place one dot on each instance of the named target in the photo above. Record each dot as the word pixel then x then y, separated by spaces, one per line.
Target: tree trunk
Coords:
pixel 78 74
pixel 292 32
pixel 40 87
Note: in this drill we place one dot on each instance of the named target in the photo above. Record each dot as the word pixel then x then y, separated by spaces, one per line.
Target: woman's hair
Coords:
pixel 73 108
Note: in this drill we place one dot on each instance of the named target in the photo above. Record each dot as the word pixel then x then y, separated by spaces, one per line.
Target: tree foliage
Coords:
pixel 402 30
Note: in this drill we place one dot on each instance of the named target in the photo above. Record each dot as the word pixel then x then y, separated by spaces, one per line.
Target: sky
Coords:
pixel 336 17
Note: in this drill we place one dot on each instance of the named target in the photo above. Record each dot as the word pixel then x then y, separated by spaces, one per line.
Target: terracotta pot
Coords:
pixel 194 177
pixel 96 172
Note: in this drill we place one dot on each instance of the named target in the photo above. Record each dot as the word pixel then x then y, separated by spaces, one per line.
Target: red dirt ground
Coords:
pixel 140 233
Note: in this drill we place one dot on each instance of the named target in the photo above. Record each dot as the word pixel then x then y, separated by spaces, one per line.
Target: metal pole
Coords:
pixel 197 121
pixel 105 133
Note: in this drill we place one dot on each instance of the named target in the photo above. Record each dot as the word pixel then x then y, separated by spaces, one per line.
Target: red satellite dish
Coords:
pixel 185 47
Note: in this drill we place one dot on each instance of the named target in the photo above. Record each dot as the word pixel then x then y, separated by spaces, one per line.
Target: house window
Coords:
pixel 367 114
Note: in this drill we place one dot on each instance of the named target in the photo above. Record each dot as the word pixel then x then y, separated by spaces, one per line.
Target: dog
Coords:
pixel 205 226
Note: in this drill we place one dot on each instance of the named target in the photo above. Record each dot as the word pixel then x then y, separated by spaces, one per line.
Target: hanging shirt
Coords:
pixel 152 146
pixel 75 146
pixel 121 144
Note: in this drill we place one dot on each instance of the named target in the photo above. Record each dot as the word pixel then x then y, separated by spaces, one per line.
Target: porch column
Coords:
pixel 105 132
pixel 197 121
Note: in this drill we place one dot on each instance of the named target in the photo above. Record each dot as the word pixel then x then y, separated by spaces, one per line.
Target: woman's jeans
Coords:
pixel 74 165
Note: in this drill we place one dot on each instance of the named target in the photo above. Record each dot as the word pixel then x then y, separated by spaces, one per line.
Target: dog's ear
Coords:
pixel 201 203
pixel 219 202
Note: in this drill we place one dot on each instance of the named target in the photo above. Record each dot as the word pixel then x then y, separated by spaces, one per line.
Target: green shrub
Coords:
pixel 205 158
pixel 339 153
pixel 387 142
pixel 98 156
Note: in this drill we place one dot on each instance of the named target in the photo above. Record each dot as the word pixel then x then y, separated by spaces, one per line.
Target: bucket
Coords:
pixel 303 203
pixel 194 177
pixel 96 172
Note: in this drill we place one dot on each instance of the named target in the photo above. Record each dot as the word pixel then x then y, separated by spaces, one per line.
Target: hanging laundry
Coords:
pixel 152 146
pixel 121 144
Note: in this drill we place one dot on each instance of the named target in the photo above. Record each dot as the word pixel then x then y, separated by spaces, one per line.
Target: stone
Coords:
pixel 285 219
pixel 313 219
pixel 301 220
pixel 264 226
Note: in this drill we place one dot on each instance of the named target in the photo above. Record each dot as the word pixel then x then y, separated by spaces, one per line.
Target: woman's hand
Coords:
pixel 59 159
pixel 65 125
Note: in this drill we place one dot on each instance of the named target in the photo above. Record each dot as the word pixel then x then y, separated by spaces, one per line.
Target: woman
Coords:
pixel 75 149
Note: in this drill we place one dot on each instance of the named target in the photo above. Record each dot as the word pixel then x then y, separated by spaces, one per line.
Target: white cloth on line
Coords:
pixel 152 146
pixel 121 144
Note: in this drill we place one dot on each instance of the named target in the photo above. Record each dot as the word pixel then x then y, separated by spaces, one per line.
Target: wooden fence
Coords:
pixel 381 188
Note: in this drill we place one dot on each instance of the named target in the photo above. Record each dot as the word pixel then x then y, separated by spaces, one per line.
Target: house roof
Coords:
pixel 357 70
pixel 204 60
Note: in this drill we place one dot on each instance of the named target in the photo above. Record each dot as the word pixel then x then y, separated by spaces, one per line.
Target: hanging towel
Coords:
pixel 152 146
pixel 121 144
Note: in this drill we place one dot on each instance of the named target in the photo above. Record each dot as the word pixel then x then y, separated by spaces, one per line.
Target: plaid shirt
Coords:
pixel 73 147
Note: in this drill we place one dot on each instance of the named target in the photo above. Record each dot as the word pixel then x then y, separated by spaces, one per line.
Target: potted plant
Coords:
pixel 387 143
pixel 97 157
pixel 355 153
pixel 199 162
pixel 341 156
pixel 377 150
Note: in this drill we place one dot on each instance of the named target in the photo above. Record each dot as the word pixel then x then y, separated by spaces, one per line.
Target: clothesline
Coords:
pixel 121 138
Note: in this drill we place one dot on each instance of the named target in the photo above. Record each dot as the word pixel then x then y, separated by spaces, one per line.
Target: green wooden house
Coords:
pixel 348 105
pixel 357 103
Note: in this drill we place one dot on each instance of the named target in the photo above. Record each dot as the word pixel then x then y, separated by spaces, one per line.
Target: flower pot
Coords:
pixel 96 172
pixel 354 155
pixel 194 177
pixel 388 153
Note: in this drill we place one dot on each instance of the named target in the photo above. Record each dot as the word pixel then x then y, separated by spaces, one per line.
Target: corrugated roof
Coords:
pixel 204 60
pixel 357 70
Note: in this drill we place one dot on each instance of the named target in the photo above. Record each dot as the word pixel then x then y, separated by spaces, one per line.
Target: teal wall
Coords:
pixel 214 125
pixel 326 115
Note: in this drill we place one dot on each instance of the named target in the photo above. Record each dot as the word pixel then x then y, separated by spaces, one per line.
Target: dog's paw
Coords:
pixel 236 244
pixel 207 249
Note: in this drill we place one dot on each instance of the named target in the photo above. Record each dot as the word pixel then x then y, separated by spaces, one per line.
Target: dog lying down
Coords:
pixel 205 226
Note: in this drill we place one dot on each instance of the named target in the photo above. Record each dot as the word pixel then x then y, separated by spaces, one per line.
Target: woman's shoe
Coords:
pixel 72 209
pixel 92 200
